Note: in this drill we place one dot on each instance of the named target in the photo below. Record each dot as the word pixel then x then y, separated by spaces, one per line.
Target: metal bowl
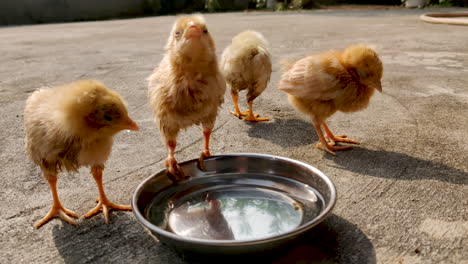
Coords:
pixel 242 203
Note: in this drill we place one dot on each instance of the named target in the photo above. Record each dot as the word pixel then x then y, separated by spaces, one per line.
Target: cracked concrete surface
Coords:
pixel 402 194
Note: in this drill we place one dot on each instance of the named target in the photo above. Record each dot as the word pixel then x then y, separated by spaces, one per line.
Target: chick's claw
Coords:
pixel 341 138
pixel 60 212
pixel 247 113
pixel 173 171
pixel 247 116
pixel 331 149
pixel 255 118
pixel 201 160
pixel 239 114
pixel 105 205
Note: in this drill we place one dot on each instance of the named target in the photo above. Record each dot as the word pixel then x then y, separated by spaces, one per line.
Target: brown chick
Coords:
pixel 187 87
pixel 71 126
pixel 321 84
pixel 246 64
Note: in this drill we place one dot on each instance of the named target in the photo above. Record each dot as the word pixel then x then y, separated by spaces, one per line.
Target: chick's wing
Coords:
pixel 313 78
pixel 261 62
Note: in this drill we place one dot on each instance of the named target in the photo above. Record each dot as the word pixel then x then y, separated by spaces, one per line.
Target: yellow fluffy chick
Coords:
pixel 71 126
pixel 246 64
pixel 321 84
pixel 187 87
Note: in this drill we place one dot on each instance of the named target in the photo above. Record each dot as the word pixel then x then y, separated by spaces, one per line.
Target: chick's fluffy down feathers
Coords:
pixel 246 63
pixel 187 87
pixel 57 136
pixel 181 100
pixel 324 83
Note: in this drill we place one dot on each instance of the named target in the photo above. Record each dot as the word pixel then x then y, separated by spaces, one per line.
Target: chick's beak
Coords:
pixel 193 31
pixel 131 125
pixel 378 86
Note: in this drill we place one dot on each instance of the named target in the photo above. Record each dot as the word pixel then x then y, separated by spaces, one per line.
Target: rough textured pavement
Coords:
pixel 402 194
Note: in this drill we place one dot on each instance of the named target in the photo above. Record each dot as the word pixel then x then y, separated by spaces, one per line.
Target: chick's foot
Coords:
pixel 105 205
pixel 201 160
pixel 235 101
pixel 174 171
pixel 323 144
pixel 331 149
pixel 59 211
pixel 255 118
pixel 332 139
pixel 239 114
pixel 341 138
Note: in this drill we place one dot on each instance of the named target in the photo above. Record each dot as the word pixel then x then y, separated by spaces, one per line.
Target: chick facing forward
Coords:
pixel 186 88
pixel 246 64
pixel 321 84
pixel 71 126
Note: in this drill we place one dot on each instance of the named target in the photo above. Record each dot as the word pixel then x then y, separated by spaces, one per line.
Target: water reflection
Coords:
pixel 236 214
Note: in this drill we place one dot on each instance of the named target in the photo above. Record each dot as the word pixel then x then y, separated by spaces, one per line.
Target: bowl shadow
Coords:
pixel 335 240
pixel 124 240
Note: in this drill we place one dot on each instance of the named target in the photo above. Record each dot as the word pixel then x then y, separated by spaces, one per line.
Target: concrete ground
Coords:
pixel 402 193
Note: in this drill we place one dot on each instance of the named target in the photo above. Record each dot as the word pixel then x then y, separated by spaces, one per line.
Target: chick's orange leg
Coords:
pixel 206 153
pixel 235 101
pixel 332 138
pixel 103 202
pixel 323 142
pixel 254 118
pixel 57 209
pixel 171 163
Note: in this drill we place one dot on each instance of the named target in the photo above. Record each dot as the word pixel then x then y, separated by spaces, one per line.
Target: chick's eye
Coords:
pixel 205 31
pixel 108 117
pixel 177 33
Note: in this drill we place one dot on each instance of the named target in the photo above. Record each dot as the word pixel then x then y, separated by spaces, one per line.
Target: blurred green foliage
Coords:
pixel 449 2
pixel 162 7
pixel 359 2
pixel 226 5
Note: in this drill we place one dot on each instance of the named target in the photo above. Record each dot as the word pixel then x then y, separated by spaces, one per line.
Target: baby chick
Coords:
pixel 246 64
pixel 71 126
pixel 321 84
pixel 187 87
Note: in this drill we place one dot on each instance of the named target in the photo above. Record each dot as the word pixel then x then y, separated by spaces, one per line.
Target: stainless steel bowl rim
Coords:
pixel 301 229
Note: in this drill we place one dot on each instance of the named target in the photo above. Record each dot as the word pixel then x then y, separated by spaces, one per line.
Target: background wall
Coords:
pixel 42 11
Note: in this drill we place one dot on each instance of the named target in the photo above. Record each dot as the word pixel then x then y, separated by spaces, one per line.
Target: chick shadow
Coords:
pixel 335 240
pixel 387 164
pixel 123 240
pixel 284 132
pixel 378 163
